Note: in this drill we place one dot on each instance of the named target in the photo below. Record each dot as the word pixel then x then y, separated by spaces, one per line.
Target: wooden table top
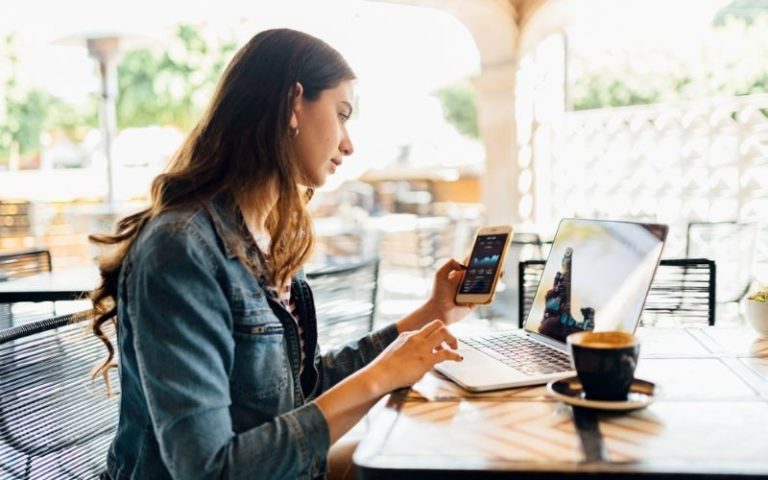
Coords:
pixel 711 419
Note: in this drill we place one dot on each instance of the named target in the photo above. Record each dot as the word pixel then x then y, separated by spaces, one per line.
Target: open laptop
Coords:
pixel 596 277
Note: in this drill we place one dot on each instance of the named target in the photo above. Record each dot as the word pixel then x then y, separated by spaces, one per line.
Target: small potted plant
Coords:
pixel 757 311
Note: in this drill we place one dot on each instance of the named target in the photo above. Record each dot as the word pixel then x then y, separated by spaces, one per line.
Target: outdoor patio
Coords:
pixel 466 113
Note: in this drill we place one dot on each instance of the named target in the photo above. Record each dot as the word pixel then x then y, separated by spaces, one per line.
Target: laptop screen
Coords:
pixel 596 277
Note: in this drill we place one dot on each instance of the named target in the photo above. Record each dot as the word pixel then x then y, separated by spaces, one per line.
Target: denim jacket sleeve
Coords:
pixel 337 364
pixel 184 347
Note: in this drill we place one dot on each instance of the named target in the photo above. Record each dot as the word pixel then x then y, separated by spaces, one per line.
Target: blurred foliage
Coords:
pixel 459 108
pixel 746 10
pixel 730 62
pixel 167 85
pixel 171 86
pixel 26 112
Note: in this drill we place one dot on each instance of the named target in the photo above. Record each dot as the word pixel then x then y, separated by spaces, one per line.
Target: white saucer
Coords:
pixel 568 390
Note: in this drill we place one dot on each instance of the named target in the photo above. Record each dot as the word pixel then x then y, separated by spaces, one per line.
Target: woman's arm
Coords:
pixel 404 362
pixel 339 363
pixel 418 348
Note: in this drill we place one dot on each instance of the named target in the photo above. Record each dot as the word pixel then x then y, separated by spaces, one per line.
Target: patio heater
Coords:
pixel 105 48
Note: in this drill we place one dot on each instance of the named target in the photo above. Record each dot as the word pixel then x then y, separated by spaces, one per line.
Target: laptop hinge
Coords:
pixel 547 341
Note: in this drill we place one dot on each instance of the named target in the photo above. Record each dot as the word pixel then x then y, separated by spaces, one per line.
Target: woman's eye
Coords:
pixel 344 117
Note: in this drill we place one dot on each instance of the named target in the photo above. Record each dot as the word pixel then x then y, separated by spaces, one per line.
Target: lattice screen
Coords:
pixel 672 163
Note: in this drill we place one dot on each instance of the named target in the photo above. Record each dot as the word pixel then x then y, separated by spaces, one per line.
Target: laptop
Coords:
pixel 596 277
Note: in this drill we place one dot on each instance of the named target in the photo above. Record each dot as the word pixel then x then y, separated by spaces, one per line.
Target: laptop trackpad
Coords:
pixel 479 371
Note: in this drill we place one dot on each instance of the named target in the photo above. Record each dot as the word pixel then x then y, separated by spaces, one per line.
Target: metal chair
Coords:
pixel 345 301
pixel 524 246
pixel 682 291
pixel 54 421
pixel 529 274
pixel 732 246
pixel 17 265
pixel 24 263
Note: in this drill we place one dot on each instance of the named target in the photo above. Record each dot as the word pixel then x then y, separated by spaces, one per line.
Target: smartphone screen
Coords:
pixel 483 264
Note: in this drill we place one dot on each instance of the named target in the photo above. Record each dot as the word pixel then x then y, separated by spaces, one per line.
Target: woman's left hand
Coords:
pixel 442 301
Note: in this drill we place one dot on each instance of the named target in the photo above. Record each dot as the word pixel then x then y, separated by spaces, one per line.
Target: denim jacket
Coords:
pixel 209 371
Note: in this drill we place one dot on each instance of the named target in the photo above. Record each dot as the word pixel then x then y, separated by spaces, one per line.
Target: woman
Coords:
pixel 219 368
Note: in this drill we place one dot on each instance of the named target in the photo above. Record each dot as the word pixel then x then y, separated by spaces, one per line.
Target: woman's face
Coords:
pixel 323 139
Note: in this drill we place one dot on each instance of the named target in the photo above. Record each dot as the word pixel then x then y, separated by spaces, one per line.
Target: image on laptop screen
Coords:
pixel 596 278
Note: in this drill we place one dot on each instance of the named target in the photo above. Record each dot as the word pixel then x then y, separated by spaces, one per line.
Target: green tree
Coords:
pixel 168 85
pixel 600 92
pixel 23 112
pixel 745 10
pixel 459 108
pixel 730 62
pixel 171 86
pixel 27 112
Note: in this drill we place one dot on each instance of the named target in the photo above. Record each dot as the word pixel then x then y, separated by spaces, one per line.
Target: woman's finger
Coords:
pixel 430 328
pixel 449 266
pixel 446 354
pixel 441 335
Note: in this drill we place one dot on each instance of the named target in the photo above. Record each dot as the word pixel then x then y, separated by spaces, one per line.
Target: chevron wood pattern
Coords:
pixel 491 430
pixel 710 418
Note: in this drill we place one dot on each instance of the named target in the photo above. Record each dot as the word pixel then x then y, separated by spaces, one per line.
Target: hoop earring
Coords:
pixel 293 132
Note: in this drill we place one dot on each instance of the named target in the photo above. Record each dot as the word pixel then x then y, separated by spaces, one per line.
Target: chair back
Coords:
pixel 345 301
pixel 732 246
pixel 682 291
pixel 54 421
pixel 529 274
pixel 24 263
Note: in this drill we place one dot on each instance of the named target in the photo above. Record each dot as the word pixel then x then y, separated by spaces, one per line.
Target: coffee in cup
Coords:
pixel 604 362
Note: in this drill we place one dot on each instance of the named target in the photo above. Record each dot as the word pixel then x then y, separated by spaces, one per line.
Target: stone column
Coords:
pixel 495 89
pixel 496 98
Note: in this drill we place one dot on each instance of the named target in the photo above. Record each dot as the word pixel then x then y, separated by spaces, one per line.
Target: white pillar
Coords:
pixel 495 88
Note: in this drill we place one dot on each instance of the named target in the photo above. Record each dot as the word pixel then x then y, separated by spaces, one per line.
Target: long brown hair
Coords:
pixel 241 144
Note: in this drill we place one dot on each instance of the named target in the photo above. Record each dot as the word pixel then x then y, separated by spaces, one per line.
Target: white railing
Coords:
pixel 675 163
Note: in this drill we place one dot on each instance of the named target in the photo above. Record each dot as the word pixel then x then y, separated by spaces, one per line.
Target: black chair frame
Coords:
pixel 336 302
pixel 658 300
pixel 53 422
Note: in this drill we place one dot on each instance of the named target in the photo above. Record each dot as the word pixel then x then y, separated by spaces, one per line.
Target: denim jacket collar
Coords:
pixel 228 223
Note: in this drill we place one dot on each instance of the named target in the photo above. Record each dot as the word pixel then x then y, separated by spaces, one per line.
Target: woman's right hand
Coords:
pixel 412 355
pixel 401 364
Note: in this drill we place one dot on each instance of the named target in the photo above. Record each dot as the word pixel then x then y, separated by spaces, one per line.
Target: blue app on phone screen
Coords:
pixel 483 264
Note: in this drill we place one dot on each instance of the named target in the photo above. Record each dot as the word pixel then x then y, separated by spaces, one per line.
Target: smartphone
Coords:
pixel 485 265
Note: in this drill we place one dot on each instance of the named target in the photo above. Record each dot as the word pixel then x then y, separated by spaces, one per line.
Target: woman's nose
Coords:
pixel 346 147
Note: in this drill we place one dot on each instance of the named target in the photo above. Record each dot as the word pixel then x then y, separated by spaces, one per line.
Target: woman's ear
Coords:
pixel 298 92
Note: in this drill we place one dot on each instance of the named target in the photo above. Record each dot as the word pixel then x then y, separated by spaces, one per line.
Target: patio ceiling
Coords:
pixel 501 28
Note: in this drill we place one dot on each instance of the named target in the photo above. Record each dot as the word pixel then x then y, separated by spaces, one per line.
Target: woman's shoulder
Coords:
pixel 188 218
pixel 178 228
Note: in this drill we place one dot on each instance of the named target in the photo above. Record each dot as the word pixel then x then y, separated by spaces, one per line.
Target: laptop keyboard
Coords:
pixel 521 353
